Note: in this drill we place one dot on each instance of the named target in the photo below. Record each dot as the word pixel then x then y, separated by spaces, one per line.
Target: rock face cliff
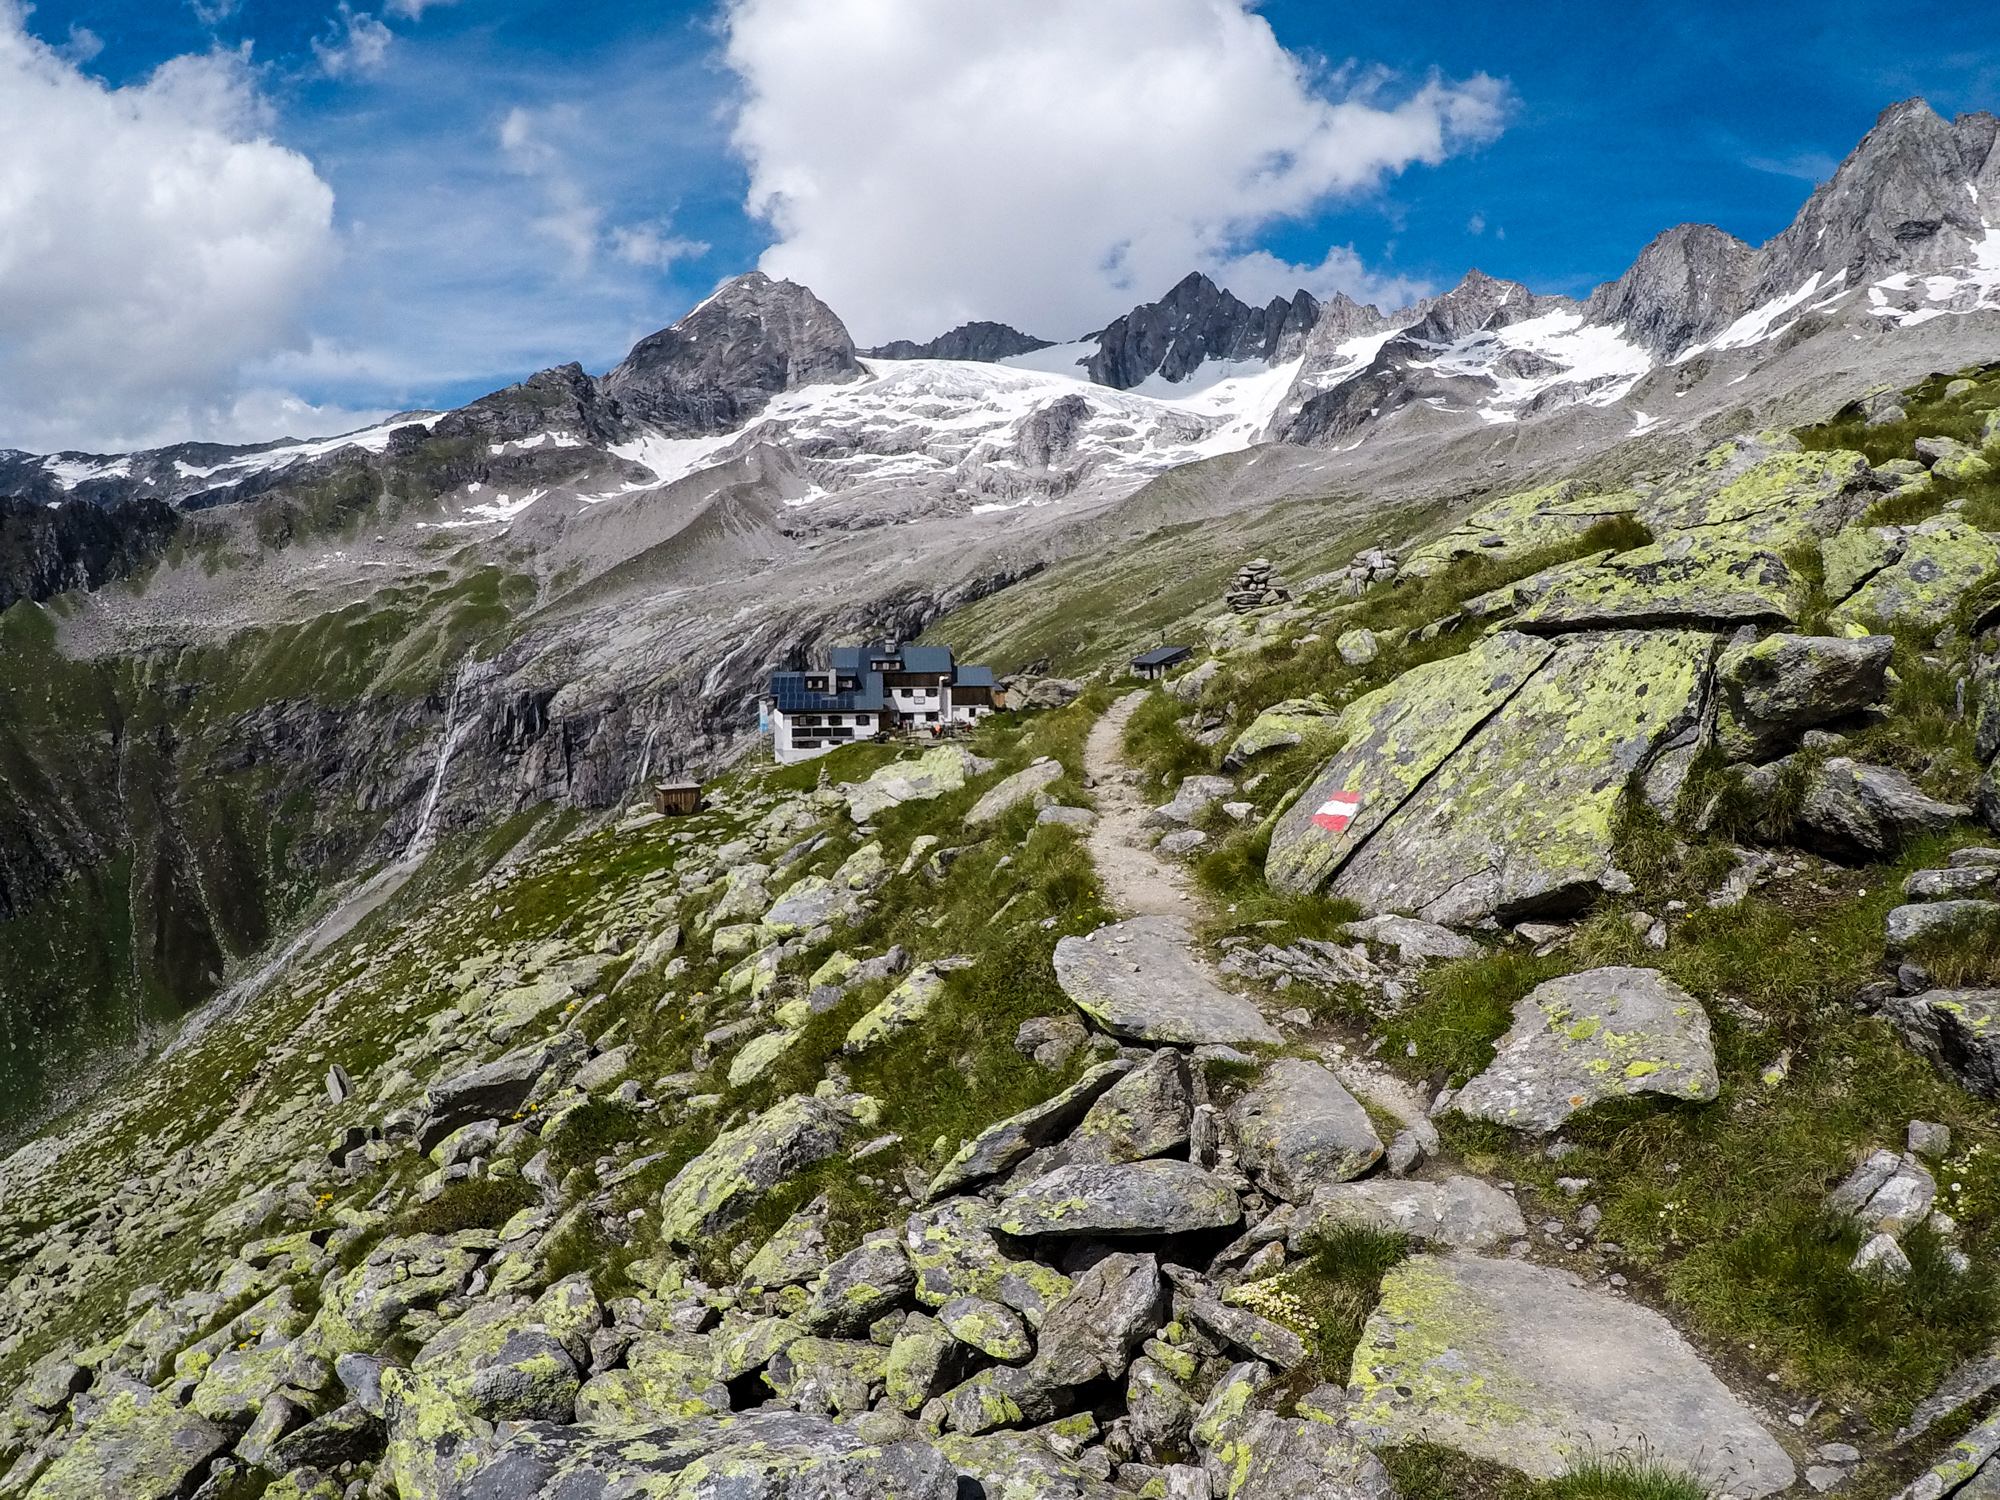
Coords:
pixel 725 360
pixel 980 342
pixel 1195 322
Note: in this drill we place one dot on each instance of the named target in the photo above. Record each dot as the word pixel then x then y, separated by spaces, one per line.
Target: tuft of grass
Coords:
pixel 591 1130
pixel 1623 1477
pixel 1624 532
pixel 1466 1006
pixel 1340 1285
pixel 1964 954
pixel 476 1203
pixel 1428 1471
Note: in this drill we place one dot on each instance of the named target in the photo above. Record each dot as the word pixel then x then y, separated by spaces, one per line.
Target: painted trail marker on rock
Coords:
pixel 1337 812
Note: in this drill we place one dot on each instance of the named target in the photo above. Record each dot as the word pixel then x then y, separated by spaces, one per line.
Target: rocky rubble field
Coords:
pixel 1562 1066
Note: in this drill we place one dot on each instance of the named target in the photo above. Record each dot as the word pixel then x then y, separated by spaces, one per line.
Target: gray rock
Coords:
pixel 530 1378
pixel 1908 923
pixel 1357 647
pixel 1144 1114
pixel 1256 1337
pixel 1050 1040
pixel 826 1375
pixel 1191 799
pixel 860 1287
pixel 1857 811
pixel 1880 1256
pixel 730 1177
pixel 1462 1212
pixel 347 1434
pixel 1299 1129
pixel 276 1417
pixel 1775 689
pixel 1227 1411
pixel 1143 1197
pixel 497 1090
pixel 795 1254
pixel 1886 1194
pixel 924 1361
pixel 1945 885
pixel 1955 1392
pixel 132 1442
pixel 766 1454
pixel 1414 940
pixel 1019 787
pixel 1928 1139
pixel 1074 817
pixel 955 1254
pixel 1092 1332
pixel 1518 819
pixel 1186 842
pixel 1000 1148
pixel 1591 1036
pixel 1521 1365
pixel 992 1329
pixel 1286 1458
pixel 1159 1409
pixel 1958 1030
pixel 1138 979
pixel 1020 1466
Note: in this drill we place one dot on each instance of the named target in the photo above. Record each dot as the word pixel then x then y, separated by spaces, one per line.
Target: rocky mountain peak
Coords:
pixel 1909 198
pixel 1478 303
pixel 724 361
pixel 1198 321
pixel 980 342
pixel 1685 286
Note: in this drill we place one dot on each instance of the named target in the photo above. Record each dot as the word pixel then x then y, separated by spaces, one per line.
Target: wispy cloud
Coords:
pixel 1808 166
pixel 357 44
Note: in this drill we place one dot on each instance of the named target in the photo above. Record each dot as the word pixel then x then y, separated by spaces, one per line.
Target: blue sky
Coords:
pixel 516 183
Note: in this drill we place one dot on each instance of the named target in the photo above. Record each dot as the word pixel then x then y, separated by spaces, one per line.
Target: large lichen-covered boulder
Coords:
pixel 1021 1466
pixel 1004 1146
pixel 1959 1030
pixel 860 1286
pixel 1905 924
pixel 770 1452
pixel 1519 820
pixel 1522 1365
pixel 1299 1129
pixel 1462 1212
pixel 1019 787
pixel 1289 722
pixel 721 1185
pixel 923 779
pixel 1941 559
pixel 1526 522
pixel 954 1252
pixel 1746 491
pixel 1582 1038
pixel 667 1376
pixel 1854 556
pixel 133 1442
pixel 1684 581
pixel 807 903
pixel 795 1254
pixel 826 1375
pixel 1396 737
pixel 1141 1197
pixel 923 1362
pixel 1775 689
pixel 1146 1113
pixel 1138 979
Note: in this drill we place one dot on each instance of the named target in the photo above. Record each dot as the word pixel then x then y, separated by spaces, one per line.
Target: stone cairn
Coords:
pixel 1256 586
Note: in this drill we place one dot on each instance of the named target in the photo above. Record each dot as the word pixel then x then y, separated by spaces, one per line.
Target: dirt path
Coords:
pixel 1136 881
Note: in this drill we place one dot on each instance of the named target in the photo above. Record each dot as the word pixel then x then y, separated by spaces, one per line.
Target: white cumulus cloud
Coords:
pixel 1050 162
pixel 152 243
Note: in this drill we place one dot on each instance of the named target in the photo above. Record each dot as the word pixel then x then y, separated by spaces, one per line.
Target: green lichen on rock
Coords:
pixel 1742 493
pixel 721 1185
pixel 1395 737
pixel 1520 818
pixel 1686 580
pixel 1940 561
pixel 1526 522
pixel 1289 722
pixel 903 1007
pixel 1850 558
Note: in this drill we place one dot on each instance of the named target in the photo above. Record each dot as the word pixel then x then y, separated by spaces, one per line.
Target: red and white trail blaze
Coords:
pixel 1338 811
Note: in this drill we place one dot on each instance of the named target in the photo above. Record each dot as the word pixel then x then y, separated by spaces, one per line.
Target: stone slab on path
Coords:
pixel 1524 1366
pixel 1139 979
pixel 1141 1197
pixel 1585 1037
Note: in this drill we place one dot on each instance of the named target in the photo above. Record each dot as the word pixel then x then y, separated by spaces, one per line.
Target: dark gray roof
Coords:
pixel 1163 656
pixel 974 677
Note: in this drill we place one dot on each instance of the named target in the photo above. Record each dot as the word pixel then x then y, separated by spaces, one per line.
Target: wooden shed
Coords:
pixel 677 797
pixel 1155 664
